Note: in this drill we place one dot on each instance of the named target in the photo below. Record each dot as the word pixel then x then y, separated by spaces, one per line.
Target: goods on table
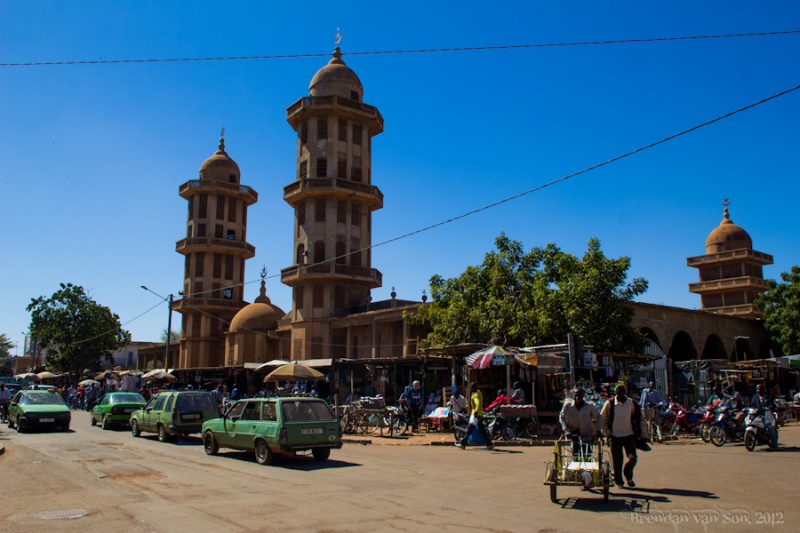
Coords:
pixel 517 410
pixel 370 402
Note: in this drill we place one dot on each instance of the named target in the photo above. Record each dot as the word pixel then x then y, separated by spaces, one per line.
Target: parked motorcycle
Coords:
pixel 687 420
pixel 725 428
pixel 760 429
pixel 708 418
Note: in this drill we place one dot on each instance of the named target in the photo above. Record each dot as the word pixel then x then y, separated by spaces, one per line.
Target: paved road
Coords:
pixel 125 484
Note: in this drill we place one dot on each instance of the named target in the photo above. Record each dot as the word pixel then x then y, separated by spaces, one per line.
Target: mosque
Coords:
pixel 332 315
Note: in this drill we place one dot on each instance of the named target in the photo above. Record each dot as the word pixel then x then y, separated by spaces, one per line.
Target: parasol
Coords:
pixel 159 374
pixel 46 375
pixel 87 382
pixel 293 372
pixel 26 375
pixel 485 358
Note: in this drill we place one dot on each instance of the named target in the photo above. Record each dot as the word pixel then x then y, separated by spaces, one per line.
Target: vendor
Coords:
pixel 501 399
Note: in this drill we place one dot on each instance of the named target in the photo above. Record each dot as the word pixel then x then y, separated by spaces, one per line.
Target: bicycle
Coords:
pixel 652 428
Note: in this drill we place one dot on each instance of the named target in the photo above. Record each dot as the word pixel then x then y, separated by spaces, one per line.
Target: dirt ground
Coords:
pixel 95 480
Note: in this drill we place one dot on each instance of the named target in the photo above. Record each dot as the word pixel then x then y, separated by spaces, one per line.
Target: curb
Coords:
pixel 363 442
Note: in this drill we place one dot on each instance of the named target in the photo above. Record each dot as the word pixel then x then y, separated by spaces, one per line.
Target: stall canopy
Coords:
pixel 488 357
pixel 312 363
pixel 790 361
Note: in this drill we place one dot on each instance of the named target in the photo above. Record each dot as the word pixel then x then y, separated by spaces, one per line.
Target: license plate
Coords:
pixel 128 411
pixel 47 420
pixel 191 417
pixel 312 431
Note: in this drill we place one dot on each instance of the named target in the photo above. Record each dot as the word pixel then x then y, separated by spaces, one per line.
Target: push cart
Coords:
pixel 588 468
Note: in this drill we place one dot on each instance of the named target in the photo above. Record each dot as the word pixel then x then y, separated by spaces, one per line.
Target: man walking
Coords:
pixel 414 399
pixel 621 418
pixel 476 418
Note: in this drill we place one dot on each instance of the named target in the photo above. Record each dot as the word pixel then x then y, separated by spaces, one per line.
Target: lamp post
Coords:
pixel 167 299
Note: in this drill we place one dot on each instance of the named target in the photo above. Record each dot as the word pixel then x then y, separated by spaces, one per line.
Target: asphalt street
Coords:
pixel 95 480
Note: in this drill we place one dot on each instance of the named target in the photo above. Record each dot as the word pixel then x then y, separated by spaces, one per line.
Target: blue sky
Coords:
pixel 91 156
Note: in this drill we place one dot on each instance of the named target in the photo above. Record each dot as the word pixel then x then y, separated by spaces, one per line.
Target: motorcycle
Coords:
pixel 709 417
pixel 760 429
pixel 725 428
pixel 686 420
pixel 461 427
pixel 499 427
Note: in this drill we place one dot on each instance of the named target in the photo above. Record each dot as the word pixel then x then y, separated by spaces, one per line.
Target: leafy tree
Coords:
pixel 520 299
pixel 5 346
pixel 781 307
pixel 174 336
pixel 76 330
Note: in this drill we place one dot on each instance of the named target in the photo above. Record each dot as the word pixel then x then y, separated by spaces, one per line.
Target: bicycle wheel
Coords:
pixel 361 424
pixel 375 422
pixel 530 430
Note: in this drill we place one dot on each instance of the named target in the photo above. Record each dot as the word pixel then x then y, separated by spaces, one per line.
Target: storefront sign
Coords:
pixel 589 360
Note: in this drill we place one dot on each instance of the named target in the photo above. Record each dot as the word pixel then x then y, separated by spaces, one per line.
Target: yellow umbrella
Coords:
pixel 46 375
pixel 293 372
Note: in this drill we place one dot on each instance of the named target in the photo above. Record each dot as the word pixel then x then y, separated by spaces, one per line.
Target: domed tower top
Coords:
pixel 727 236
pixel 336 78
pixel 220 166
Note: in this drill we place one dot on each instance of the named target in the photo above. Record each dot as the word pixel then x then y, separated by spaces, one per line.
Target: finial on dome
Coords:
pixel 222 139
pixel 726 216
pixel 337 52
pixel 262 296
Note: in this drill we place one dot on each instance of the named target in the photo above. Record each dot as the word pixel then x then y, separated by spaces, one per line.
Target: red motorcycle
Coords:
pixel 687 420
pixel 708 418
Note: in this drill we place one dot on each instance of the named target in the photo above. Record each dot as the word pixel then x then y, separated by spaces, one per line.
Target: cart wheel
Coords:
pixel 554 493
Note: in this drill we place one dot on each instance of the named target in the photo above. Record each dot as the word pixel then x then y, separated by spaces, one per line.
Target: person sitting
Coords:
pixel 579 420
pixel 501 399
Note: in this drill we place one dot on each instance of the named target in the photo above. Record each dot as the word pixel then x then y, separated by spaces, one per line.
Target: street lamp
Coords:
pixel 167 299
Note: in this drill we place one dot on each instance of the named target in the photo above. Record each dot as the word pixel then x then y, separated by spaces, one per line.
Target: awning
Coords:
pixel 491 356
pixel 530 359
pixel 789 361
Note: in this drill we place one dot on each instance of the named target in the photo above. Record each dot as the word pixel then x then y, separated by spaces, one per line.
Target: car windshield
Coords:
pixel 299 411
pixel 195 402
pixel 41 399
pixel 127 397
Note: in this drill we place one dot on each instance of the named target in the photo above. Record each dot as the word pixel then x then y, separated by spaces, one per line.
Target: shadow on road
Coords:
pixel 679 492
pixel 780 449
pixel 303 463
pixel 615 504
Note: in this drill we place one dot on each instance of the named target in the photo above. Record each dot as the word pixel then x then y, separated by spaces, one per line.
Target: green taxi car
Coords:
pixel 273 426
pixel 115 408
pixel 173 413
pixel 38 408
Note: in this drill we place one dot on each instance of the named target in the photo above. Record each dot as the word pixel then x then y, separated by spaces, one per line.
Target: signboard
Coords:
pixel 589 360
pixel 499 360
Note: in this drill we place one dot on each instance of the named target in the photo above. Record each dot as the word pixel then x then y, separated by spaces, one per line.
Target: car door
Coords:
pixel 269 426
pixel 227 435
pixel 245 428
pixel 151 413
pixel 101 408
pixel 13 408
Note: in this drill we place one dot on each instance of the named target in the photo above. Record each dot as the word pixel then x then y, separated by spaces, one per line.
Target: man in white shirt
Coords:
pixel 579 420
pixel 622 424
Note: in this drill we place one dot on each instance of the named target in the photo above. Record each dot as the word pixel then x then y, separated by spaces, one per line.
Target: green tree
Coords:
pixel 781 307
pixel 174 336
pixel 5 346
pixel 76 331
pixel 520 299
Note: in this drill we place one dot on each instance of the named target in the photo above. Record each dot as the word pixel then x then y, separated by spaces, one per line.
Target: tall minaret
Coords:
pixel 333 198
pixel 216 249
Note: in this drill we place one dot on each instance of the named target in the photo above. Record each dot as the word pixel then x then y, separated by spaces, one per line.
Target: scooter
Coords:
pixel 725 428
pixel 686 420
pixel 760 429
pixel 707 419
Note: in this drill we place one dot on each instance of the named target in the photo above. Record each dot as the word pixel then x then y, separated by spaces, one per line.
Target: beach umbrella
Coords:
pixel 159 374
pixel 87 382
pixel 27 375
pixel 491 356
pixel 293 372
pixel 46 375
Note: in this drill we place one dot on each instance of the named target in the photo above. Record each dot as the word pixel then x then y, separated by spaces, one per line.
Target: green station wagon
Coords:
pixel 116 408
pixel 174 413
pixel 272 426
pixel 38 408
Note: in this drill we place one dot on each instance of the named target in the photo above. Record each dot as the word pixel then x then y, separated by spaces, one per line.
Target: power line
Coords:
pixel 407 51
pixel 140 315
pixel 545 185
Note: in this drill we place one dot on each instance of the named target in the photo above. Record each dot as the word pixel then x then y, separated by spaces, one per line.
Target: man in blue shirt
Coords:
pixel 650 397
pixel 415 398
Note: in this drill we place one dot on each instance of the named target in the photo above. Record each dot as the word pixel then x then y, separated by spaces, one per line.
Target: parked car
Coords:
pixel 174 413
pixel 273 426
pixel 38 408
pixel 115 408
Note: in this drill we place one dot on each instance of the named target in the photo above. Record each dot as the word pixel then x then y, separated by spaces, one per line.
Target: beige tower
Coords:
pixel 215 248
pixel 333 198
pixel 731 273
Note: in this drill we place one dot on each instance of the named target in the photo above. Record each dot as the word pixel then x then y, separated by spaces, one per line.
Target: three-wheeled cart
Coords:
pixel 588 469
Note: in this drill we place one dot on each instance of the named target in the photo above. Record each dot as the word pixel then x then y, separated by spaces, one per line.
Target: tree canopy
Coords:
pixel 174 336
pixel 521 299
pixel 76 331
pixel 781 307
pixel 5 346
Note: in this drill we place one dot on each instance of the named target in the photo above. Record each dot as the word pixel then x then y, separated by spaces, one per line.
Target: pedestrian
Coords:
pixel 414 400
pixel 5 399
pixel 579 421
pixel 517 394
pixel 476 418
pixel 621 418
pixel 650 397
pixel 457 403
pixel 501 399
pixel 234 393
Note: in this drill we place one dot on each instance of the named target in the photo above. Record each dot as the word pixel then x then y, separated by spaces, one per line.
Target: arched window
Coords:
pixel 300 251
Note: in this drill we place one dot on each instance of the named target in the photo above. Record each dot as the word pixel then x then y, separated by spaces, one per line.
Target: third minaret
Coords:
pixel 333 198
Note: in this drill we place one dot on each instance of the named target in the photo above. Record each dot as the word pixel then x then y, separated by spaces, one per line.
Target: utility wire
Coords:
pixel 140 315
pixel 407 51
pixel 545 185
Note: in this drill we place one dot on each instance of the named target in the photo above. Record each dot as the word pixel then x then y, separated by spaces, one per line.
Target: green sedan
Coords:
pixel 38 408
pixel 115 408
pixel 274 426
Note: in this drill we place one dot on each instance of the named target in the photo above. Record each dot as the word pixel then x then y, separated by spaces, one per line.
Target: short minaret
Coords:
pixel 333 198
pixel 731 273
pixel 216 249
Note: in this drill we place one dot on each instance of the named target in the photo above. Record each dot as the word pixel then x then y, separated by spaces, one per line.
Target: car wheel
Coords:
pixel 163 436
pixel 210 443
pixel 135 429
pixel 65 427
pixel 264 455
pixel 321 454
pixel 20 428
pixel 93 420
pixel 105 424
